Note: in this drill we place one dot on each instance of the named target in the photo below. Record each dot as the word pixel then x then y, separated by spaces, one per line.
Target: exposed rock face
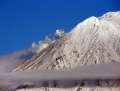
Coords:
pixel 94 41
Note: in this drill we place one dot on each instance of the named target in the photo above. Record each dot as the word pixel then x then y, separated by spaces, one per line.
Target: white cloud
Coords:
pixel 35 48
pixel 59 33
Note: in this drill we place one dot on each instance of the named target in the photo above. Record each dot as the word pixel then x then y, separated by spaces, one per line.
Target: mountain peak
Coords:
pixel 94 41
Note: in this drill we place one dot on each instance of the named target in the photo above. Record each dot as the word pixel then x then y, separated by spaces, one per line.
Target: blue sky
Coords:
pixel 25 21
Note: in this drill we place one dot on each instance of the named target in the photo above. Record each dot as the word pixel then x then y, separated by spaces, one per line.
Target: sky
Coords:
pixel 23 22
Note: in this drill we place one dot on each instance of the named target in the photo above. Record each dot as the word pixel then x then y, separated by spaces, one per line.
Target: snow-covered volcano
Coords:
pixel 94 41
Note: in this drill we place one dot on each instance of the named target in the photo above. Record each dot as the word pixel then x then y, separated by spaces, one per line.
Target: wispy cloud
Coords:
pixel 9 61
